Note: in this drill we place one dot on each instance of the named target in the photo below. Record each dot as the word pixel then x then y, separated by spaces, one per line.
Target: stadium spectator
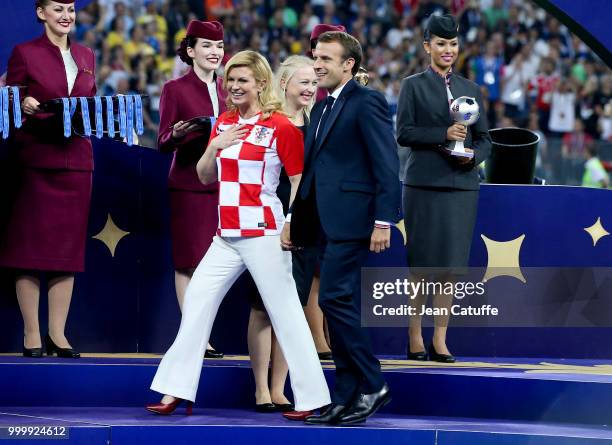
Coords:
pixel 389 31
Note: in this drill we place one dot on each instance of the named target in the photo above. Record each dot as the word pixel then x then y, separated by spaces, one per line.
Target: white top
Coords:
pixel 513 91
pixel 71 69
pixel 212 91
pixel 562 112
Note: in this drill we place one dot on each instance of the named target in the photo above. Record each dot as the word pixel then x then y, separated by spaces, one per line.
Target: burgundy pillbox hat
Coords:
pixel 320 29
pixel 205 30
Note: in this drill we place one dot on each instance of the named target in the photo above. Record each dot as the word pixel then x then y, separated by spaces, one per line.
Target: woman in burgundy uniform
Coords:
pixel 47 227
pixel 193 206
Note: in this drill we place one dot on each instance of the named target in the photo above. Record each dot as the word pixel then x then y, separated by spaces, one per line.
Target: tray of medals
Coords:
pixel 117 117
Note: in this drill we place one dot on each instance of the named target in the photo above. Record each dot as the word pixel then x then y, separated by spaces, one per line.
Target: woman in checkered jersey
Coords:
pixel 249 145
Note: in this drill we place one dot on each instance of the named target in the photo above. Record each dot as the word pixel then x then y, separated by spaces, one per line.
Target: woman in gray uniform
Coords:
pixel 440 190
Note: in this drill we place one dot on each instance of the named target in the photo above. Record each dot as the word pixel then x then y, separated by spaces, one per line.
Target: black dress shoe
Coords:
pixel 266 408
pixel 441 358
pixel 32 352
pixel 331 414
pixel 61 352
pixel 325 355
pixel 364 406
pixel 211 353
pixel 418 356
pixel 284 407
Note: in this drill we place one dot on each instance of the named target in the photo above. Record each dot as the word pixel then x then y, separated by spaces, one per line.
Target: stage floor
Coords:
pixel 579 370
pixel 100 399
pixel 205 420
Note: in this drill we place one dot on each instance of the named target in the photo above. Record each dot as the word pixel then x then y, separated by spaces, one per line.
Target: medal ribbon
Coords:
pixel 130 119
pixel 85 116
pixel 66 114
pixel 139 118
pixel 99 119
pixel 5 113
pixel 1 110
pixel 16 107
pixel 110 116
pixel 122 117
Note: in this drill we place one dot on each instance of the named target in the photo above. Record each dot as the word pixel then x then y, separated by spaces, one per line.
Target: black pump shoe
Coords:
pixel 284 407
pixel 420 356
pixel 441 358
pixel 61 352
pixel 265 408
pixel 325 355
pixel 32 352
pixel 211 353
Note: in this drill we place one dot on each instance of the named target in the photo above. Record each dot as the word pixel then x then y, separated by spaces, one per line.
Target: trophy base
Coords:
pixel 461 154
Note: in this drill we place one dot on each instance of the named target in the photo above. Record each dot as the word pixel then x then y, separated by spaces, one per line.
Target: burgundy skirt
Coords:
pixel 47 225
pixel 193 222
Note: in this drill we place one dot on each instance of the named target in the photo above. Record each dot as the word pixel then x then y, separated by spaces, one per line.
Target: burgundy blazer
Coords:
pixel 182 99
pixel 38 66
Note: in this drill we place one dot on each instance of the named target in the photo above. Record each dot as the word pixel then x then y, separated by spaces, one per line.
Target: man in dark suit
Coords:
pixel 348 198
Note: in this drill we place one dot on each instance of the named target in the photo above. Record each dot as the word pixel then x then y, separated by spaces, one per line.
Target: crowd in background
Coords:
pixel 533 72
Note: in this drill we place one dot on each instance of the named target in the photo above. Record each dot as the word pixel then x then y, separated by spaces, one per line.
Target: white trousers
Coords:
pixel 179 371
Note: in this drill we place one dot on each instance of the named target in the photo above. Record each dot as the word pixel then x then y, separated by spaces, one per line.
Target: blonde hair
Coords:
pixel 267 98
pixel 285 72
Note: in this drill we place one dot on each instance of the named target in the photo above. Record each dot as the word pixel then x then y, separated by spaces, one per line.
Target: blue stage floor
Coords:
pixel 132 425
pixel 472 402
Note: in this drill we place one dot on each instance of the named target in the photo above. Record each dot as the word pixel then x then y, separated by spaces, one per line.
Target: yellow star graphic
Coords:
pixel 110 235
pixel 503 258
pixel 596 231
pixel 402 228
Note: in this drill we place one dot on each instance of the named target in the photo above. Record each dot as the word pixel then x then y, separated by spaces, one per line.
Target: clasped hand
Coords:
pixel 30 105
pixel 456 132
pixel 182 128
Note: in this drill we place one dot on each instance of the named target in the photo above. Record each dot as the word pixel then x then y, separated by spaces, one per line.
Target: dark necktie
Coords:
pixel 329 103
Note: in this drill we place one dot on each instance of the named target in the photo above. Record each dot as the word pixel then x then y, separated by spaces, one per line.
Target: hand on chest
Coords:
pixel 258 144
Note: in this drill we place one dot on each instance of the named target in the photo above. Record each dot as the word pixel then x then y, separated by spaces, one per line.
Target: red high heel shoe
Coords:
pixel 297 415
pixel 166 409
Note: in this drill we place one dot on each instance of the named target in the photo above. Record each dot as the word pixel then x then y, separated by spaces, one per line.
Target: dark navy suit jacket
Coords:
pixel 353 167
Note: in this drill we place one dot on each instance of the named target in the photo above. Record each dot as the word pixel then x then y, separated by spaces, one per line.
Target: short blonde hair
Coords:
pixel 285 72
pixel 268 100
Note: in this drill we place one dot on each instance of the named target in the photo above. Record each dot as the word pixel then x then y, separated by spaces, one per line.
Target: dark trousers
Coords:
pixel 357 369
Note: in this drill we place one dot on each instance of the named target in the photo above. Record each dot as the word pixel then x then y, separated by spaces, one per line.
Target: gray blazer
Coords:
pixel 423 117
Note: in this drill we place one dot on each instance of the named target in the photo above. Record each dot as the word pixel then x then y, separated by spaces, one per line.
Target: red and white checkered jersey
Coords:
pixel 249 173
